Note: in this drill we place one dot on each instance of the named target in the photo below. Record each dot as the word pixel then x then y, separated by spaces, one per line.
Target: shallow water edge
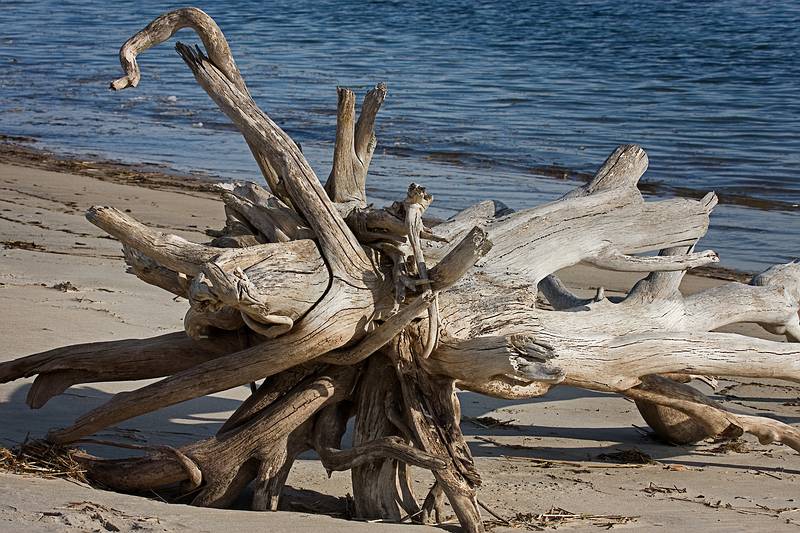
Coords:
pixel 20 151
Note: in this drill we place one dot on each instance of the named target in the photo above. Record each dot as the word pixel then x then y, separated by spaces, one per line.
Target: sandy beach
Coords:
pixel 63 281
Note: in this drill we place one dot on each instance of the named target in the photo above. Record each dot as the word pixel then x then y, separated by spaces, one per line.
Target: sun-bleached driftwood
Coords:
pixel 345 310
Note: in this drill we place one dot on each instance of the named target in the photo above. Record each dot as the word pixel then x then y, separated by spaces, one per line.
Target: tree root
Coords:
pixel 345 310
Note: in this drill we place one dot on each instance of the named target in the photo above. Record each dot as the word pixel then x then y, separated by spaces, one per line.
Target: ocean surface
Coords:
pixel 510 100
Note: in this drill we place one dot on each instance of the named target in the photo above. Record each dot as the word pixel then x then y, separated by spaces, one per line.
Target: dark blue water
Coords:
pixel 481 96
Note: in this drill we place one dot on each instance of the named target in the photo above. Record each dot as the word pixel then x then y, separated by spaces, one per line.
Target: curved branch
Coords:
pixel 335 460
pixel 164 27
pixel 559 296
pixel 130 359
pixel 280 159
pixel 615 260
pixel 660 285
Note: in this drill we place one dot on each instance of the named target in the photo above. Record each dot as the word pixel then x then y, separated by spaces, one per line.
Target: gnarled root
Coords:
pixel 308 286
pixel 258 448
pixel 710 415
pixel 433 416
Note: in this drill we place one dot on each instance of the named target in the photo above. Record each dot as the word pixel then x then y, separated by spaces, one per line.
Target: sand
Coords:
pixel 46 241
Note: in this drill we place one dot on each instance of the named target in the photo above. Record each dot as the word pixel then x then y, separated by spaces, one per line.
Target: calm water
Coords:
pixel 481 97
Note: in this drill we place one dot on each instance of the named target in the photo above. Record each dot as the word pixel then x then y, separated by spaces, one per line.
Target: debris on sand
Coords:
pixel 727 446
pixel 652 488
pixel 488 422
pixel 42 459
pixel 557 516
pixel 22 245
pixel 65 286
pixel 632 456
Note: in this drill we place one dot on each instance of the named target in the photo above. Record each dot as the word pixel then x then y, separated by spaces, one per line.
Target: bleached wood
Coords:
pixel 355 144
pixel 338 245
pixel 123 360
pixel 178 254
pixel 622 169
pixel 164 27
pixel 614 260
pixel 418 306
pixel 484 358
pixel 153 273
pixel 273 219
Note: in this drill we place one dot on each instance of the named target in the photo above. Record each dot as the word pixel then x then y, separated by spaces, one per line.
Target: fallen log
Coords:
pixel 350 311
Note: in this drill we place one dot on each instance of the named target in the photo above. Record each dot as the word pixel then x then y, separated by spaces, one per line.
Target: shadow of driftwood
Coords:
pixel 200 418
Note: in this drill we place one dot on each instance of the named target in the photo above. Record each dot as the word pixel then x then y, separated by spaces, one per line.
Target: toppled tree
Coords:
pixel 345 310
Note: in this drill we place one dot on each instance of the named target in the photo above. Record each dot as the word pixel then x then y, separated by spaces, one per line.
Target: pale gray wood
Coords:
pixel 340 285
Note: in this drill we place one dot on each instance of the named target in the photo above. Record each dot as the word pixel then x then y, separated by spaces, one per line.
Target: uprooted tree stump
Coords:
pixel 346 310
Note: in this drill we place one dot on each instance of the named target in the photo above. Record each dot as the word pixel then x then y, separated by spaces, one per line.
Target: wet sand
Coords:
pixel 543 455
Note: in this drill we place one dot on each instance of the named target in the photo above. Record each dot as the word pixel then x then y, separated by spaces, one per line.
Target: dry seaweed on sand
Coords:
pixel 42 459
pixel 21 245
pixel 632 456
pixel 727 446
pixel 557 516
pixel 65 286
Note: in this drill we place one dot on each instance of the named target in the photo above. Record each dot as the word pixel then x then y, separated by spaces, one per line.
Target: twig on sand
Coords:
pixel 489 422
pixel 494 514
pixel 557 516
pixel 652 488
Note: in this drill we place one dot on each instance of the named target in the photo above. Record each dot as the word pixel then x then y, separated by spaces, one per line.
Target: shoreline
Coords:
pixel 24 148
pixel 21 151
pixel 16 150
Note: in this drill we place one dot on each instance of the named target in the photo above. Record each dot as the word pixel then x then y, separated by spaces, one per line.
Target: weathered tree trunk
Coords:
pixel 352 311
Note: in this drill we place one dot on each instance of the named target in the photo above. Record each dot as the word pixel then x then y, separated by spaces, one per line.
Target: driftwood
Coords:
pixel 346 310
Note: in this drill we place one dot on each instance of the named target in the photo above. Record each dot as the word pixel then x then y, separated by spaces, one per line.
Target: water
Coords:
pixel 482 97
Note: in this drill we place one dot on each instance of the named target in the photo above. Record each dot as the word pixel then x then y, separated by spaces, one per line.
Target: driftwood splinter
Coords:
pixel 348 311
